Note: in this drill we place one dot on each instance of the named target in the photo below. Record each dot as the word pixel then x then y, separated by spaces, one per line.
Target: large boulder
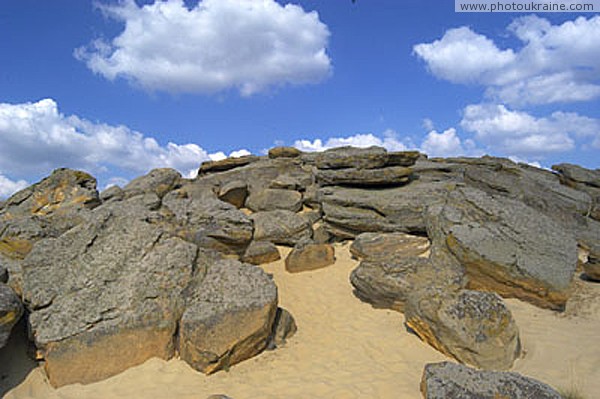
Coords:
pixel 280 227
pixel 448 380
pixel 157 181
pixel 107 294
pixel 309 256
pixel 229 316
pixel 11 311
pixel 384 177
pixel 473 327
pixel 506 246
pixel 373 246
pixel 272 199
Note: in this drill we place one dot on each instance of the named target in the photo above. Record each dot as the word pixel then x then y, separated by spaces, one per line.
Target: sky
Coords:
pixel 119 87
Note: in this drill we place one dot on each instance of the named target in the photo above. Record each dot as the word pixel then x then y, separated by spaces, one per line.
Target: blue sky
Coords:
pixel 120 87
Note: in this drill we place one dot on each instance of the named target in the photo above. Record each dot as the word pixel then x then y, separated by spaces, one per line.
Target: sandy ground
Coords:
pixel 343 349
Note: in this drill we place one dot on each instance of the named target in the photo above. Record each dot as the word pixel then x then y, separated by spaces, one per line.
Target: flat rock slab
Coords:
pixel 284 152
pixel 226 164
pixel 384 177
pixel 11 311
pixel 352 157
pixel 261 252
pixel 374 246
pixel 449 380
pixel 311 256
pixel 507 247
pixel 471 326
pixel 229 316
pixel 272 199
pixel 106 295
pixel 280 227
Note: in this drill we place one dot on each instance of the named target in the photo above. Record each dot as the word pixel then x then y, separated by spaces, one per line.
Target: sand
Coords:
pixel 343 349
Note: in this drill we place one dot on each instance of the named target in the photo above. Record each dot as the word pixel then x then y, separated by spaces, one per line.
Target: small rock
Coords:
pixel 284 327
pixel 592 267
pixel 320 234
pixel 273 199
pixel 11 311
pixel 309 256
pixel 374 246
pixel 114 193
pixel 473 327
pixel 280 227
pixel 284 152
pixel 219 396
pixel 234 192
pixel 261 252
pixel 448 380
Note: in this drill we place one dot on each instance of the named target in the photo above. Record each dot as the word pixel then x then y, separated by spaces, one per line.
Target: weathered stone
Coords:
pixel 578 174
pixel 11 311
pixel 507 247
pixel 471 326
pixel 201 218
pixel 284 327
pixel 113 193
pixel 273 199
pixel 235 192
pixel 592 266
pixel 352 157
pixel 280 227
pixel 449 380
pixel 284 152
pixel 229 316
pixel 226 164
pixel 261 252
pixel 403 158
pixel 287 182
pixel 106 295
pixel 384 177
pixel 309 256
pixel 373 246
pixel 320 234
pixel 386 283
pixel 157 181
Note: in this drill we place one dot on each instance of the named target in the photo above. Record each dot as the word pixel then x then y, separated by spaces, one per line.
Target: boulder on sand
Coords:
pixel 309 256
pixel 11 311
pixel 261 252
pixel 373 246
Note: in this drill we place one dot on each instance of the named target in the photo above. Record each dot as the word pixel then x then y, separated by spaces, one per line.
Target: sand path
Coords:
pixel 343 349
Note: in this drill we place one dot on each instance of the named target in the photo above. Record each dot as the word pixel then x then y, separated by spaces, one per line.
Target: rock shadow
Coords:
pixel 15 363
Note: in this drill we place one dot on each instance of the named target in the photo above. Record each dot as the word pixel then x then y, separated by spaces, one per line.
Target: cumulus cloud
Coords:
pixel 522 134
pixel 249 45
pixel 556 63
pixel 389 142
pixel 448 144
pixel 36 138
pixel 8 186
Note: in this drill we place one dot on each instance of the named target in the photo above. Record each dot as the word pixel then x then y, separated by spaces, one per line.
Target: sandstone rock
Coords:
pixel 352 157
pixel 284 152
pixel 471 326
pixel 11 311
pixel 384 177
pixel 261 252
pixel 226 164
pixel 113 193
pixel 309 256
pixel 577 174
pixel 284 327
pixel 234 192
pixel 280 227
pixel 374 246
pixel 449 380
pixel 287 182
pixel 157 181
pixel 386 283
pixel 229 316
pixel 507 247
pixel 273 199
pixel 403 158
pixel 106 295
pixel 201 218
pixel 320 234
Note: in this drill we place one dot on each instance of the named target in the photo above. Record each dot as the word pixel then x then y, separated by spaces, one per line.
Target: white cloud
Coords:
pixel 556 63
pixel 8 187
pixel 389 141
pixel 522 134
pixel 249 45
pixel 442 144
pixel 36 138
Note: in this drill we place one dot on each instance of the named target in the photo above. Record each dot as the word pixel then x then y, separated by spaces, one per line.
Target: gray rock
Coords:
pixel 284 152
pixel 106 295
pixel 473 327
pixel 235 192
pixel 352 157
pixel 3 275
pixel 261 252
pixel 384 177
pixel 287 182
pixel 284 327
pixel 280 227
pixel 320 234
pixel 375 246
pixel 388 283
pixel 507 247
pixel 578 174
pixel 157 181
pixel 449 380
pixel 113 193
pixel 309 256
pixel 226 164
pixel 11 311
pixel 229 316
pixel 273 199
pixel 404 158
